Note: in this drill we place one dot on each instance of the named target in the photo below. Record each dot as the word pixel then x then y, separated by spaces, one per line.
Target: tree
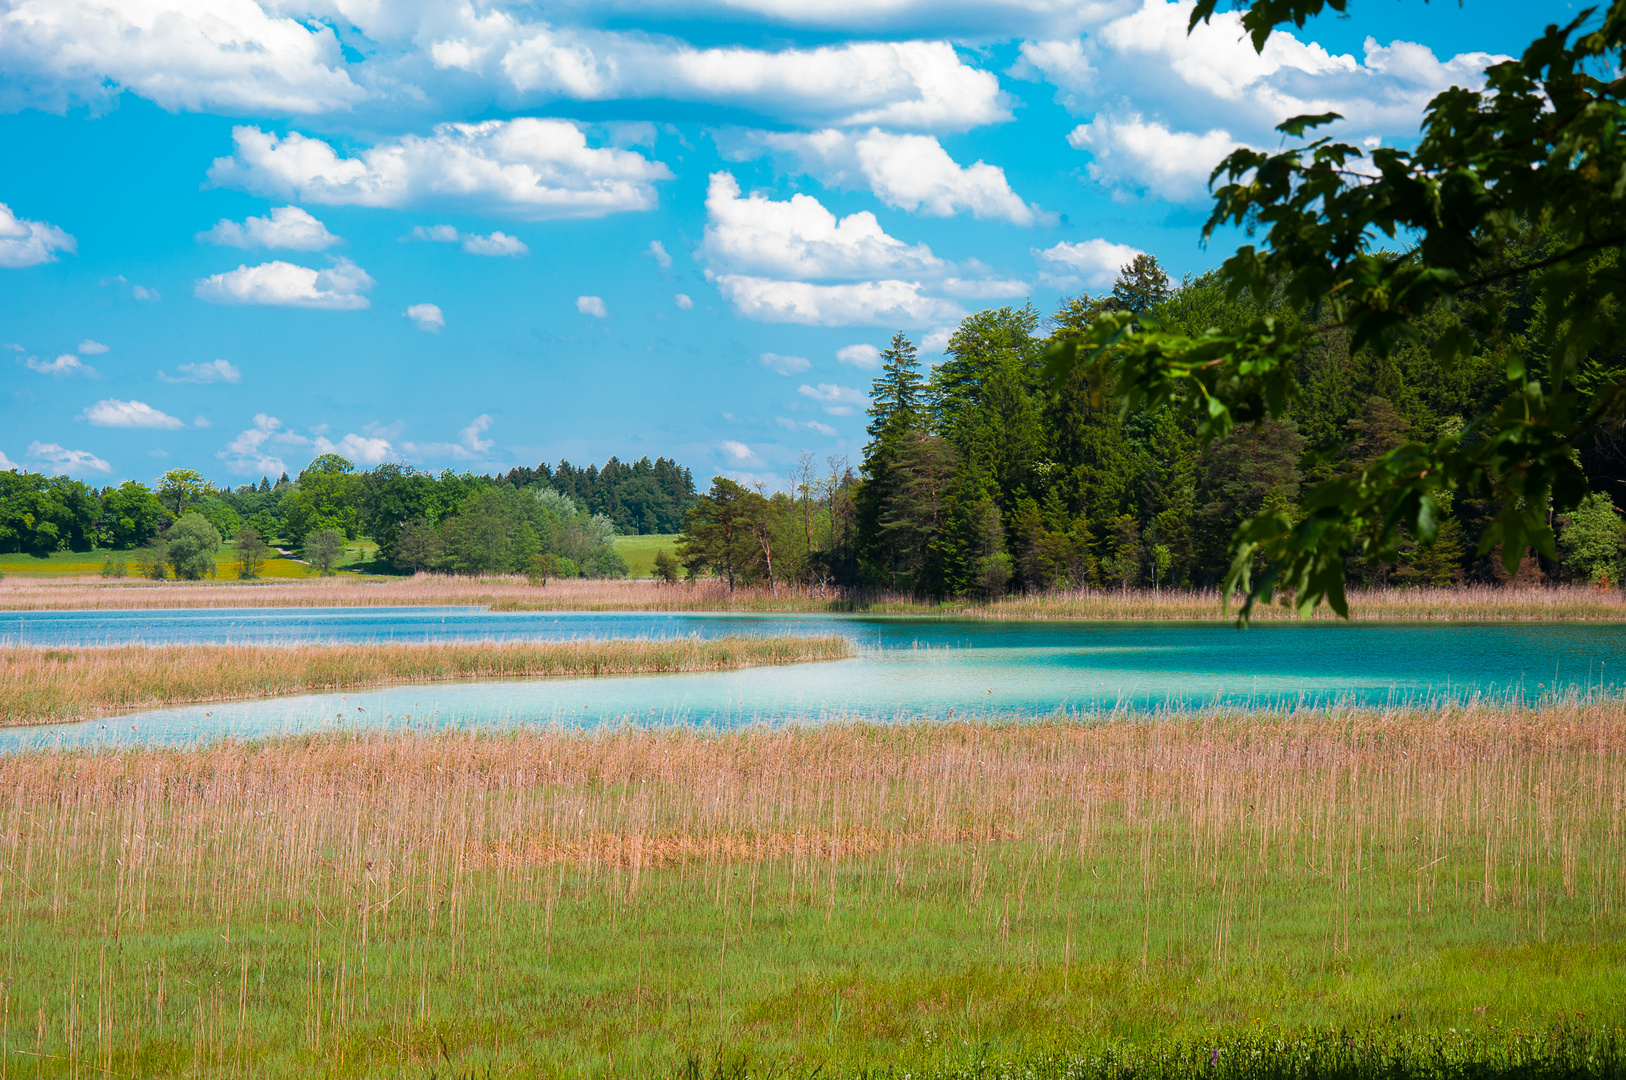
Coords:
pixel 418 546
pixel 717 533
pixel 251 552
pixel 1593 538
pixel 131 515
pixel 667 567
pixel 191 545
pixel 323 549
pixel 152 561
pixel 1141 286
pixel 179 487
pixel 1512 188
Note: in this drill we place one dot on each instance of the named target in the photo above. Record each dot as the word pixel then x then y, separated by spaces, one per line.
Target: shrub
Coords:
pixel 322 550
pixel 192 544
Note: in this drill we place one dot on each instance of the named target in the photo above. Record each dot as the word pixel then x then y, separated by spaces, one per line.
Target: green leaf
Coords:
pixel 1298 125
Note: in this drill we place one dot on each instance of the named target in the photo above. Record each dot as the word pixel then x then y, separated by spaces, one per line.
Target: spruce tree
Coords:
pixel 897 401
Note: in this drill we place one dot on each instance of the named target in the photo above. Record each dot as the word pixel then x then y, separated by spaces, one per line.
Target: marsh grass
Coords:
pixel 919 898
pixel 39 686
pixel 1465 603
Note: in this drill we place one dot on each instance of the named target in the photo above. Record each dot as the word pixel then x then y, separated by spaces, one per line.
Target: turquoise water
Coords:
pixel 906 668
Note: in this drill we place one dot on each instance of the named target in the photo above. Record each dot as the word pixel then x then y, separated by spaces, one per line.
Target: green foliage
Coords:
pixel 717 534
pixel 152 559
pixel 643 498
pixel 1514 200
pixel 190 546
pixel 115 567
pixel 667 568
pixel 1593 539
pixel 178 487
pixel 42 514
pixel 323 549
pixel 131 515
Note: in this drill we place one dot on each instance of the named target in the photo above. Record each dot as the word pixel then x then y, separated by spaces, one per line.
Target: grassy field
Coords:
pixel 639 551
pixel 40 686
pixel 79 564
pixel 1472 603
pixel 823 900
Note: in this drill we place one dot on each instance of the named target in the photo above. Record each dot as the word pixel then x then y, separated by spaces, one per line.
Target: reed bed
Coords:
pixel 1470 602
pixel 925 898
pixel 40 686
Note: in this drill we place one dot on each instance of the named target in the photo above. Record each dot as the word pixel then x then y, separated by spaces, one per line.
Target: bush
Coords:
pixel 153 559
pixel 322 550
pixel 252 551
pixel 114 567
pixel 667 567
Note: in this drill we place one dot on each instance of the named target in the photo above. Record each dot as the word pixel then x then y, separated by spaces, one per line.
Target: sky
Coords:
pixel 235 234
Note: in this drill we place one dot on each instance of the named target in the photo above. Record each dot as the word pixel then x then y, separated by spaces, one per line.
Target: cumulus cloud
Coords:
pixel 908 172
pixel 192 55
pixel 426 317
pixel 129 414
pixel 65 366
pixel 215 371
pixel 287 227
pixel 1169 105
pixel 867 357
pixel 469 446
pixel 8 465
pixel 592 305
pixel 804 425
pixel 835 400
pixel 29 243
pixel 529 168
pixel 937 341
pixel 866 303
pixel 64 462
pixel 498 243
pixel 683 300
pixel 917 85
pixel 88 347
pixel 800 238
pixel 139 292
pixel 253 450
pixel 1091 262
pixel 741 453
pixel 785 365
pixel 361 449
pixel 657 251
pixel 281 284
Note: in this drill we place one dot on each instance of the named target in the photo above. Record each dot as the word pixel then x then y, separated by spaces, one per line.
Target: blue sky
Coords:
pixel 238 233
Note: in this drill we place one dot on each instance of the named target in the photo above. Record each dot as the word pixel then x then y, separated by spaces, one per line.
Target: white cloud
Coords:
pixel 215 371
pixel 738 451
pixel 800 238
pixel 13 347
pixel 201 421
pixel 835 400
pixel 194 55
pixel 658 251
pixel 438 234
pixel 785 365
pixel 470 435
pixel 287 227
pixel 868 303
pixel 804 425
pixel 592 305
pixel 1144 155
pixel 867 357
pixel 469 447
pixel 8 465
pixel 1169 105
pixel 24 242
pixel 498 243
pixel 908 172
pixel 917 85
pixel 141 292
pixel 529 168
pixel 937 341
pixel 338 288
pixel 426 317
pixel 250 451
pixel 62 461
pixel 88 347
pixel 129 414
pixel 65 366
pixel 683 300
pixel 1093 262
pixel 361 449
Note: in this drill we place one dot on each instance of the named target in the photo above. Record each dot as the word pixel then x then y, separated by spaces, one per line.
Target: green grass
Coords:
pixel 359 556
pixel 833 899
pixel 639 551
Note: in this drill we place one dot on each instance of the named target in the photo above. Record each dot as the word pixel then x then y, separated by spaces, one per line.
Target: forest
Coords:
pixel 982 475
pixel 538 522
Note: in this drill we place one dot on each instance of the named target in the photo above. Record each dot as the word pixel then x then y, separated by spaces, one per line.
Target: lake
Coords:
pixel 907 668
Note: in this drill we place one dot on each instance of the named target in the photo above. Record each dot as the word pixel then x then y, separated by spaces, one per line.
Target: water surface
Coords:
pixel 906 668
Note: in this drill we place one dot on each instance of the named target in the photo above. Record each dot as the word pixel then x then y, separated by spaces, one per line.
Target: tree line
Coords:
pixel 451 522
pixel 984 475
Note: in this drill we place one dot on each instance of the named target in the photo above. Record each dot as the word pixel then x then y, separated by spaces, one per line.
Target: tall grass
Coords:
pixel 1473 602
pixel 920 897
pixel 50 685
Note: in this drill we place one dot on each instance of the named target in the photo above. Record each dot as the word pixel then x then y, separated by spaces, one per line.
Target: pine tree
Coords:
pixel 897 398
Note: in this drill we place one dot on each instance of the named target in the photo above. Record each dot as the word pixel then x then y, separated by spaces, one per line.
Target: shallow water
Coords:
pixel 907 667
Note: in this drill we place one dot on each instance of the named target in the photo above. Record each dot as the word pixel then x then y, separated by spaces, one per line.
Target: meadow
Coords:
pixel 42 686
pixel 639 551
pixel 513 593
pixel 1387 893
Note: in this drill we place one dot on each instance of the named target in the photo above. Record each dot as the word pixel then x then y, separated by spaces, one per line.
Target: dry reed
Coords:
pixel 606 904
pixel 53 685
pixel 1469 603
